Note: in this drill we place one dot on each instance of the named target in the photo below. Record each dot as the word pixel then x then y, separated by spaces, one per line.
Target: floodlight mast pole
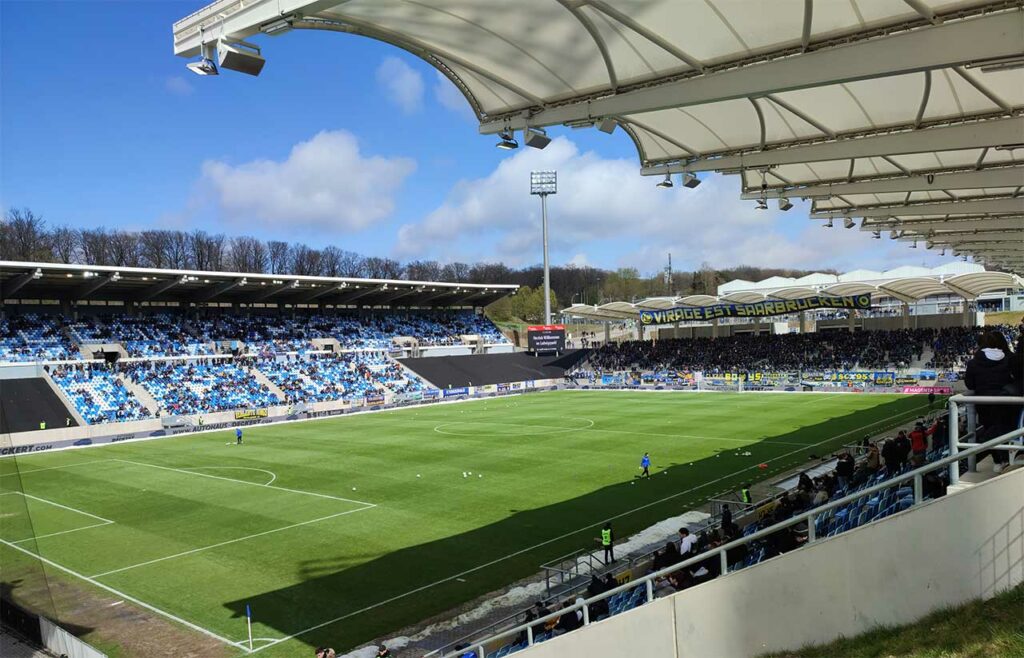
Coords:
pixel 543 183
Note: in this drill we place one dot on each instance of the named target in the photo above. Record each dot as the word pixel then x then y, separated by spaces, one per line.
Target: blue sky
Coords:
pixel 341 140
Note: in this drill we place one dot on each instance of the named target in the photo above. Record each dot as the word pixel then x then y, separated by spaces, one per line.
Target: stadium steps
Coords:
pixel 68 403
pixel 926 356
pixel 263 379
pixel 141 394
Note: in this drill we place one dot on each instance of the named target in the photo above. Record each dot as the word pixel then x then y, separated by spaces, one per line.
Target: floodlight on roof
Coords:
pixel 667 183
pixel 536 138
pixel 690 180
pixel 607 125
pixel 913 245
pixel 943 252
pixel 276 28
pixel 240 56
pixel 204 66
pixel 763 205
pixel 38 274
pixel 784 204
pixel 895 235
pixel 848 222
pixel 508 141
pixel 877 235
pixel 828 224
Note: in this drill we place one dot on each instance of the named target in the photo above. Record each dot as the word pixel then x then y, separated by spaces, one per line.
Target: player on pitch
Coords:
pixel 645 463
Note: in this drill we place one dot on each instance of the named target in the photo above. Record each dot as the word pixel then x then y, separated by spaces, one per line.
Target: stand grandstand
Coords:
pixel 213 463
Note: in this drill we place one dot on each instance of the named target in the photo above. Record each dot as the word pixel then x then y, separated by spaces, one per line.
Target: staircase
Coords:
pixel 263 379
pixel 141 394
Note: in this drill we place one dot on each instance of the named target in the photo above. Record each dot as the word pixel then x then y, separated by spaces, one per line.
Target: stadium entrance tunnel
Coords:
pixel 343 603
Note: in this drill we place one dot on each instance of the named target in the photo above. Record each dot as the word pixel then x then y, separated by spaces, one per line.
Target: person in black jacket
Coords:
pixel 989 373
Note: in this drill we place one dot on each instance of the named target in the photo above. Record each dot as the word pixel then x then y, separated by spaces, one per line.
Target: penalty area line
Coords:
pixel 126 597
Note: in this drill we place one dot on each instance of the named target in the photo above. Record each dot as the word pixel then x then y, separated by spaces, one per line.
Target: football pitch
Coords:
pixel 338 531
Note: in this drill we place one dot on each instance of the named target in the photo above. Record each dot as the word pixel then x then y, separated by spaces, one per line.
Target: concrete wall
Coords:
pixel 965 546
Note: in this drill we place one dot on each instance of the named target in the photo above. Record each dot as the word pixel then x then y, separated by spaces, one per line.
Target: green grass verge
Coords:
pixel 980 629
pixel 199 527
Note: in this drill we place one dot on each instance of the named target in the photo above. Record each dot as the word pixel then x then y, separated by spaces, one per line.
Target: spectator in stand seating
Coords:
pixel 666 557
pixel 989 373
pixel 804 483
pixel 570 620
pixel 844 468
pixel 688 541
pixel 874 460
pixel 726 515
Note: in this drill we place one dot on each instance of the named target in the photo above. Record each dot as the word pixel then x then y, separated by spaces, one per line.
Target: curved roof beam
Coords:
pixel 1005 205
pixel 974 179
pixel 591 29
pixel 625 20
pixel 958 136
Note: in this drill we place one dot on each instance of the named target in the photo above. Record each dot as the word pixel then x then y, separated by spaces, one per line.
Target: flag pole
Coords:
pixel 248 622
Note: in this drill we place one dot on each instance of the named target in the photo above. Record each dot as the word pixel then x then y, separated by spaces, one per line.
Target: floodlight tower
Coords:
pixel 543 183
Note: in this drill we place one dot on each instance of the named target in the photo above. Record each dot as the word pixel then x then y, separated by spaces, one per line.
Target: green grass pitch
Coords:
pixel 338 531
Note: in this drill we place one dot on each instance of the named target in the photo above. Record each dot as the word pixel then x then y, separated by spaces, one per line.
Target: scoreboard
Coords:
pixel 546 337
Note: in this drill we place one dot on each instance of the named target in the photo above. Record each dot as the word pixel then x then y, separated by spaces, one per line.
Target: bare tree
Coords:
pixel 304 260
pixel 330 261
pixel 64 245
pixel 277 253
pixel 124 249
pixel 247 254
pixel 24 236
pixel 383 268
pixel 351 264
pixel 456 272
pixel 178 251
pixel 95 245
pixel 423 270
pixel 154 248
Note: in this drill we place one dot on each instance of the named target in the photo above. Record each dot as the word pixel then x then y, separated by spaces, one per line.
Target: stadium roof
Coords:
pixel 893 111
pixel 20 280
pixel 907 284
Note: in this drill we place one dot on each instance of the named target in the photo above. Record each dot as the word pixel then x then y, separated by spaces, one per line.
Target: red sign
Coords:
pixel 546 327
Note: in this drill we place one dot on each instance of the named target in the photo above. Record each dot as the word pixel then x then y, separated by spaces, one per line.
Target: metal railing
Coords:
pixel 958 452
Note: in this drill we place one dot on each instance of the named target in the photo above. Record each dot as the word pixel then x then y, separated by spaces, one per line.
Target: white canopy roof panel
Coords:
pixel 790 94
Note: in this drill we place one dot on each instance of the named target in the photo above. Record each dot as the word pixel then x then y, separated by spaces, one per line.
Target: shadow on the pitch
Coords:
pixel 409 585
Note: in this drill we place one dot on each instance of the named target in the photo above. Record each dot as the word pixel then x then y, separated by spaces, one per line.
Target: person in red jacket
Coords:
pixel 919 442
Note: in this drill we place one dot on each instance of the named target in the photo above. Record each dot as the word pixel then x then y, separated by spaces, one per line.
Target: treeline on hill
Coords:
pixel 26 236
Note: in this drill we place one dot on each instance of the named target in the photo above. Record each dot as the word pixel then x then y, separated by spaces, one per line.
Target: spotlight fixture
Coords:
pixel 508 141
pixel 828 224
pixel 536 138
pixel 690 180
pixel 895 235
pixel 277 27
pixel 38 274
pixel 240 56
pixel 877 235
pixel 848 223
pixel 943 252
pixel 913 245
pixel 607 125
pixel 204 66
pixel 784 204
pixel 667 183
pixel 762 204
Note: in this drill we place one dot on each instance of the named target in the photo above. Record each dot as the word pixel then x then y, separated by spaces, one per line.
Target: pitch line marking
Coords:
pixel 52 468
pixel 70 509
pixel 273 476
pixel 574 532
pixel 591 428
pixel 62 532
pixel 253 484
pixel 228 542
pixel 127 597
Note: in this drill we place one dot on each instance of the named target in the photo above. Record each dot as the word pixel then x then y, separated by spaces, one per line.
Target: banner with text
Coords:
pixel 755 310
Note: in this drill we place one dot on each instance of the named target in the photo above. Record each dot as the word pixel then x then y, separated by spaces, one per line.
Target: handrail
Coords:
pixel 808 516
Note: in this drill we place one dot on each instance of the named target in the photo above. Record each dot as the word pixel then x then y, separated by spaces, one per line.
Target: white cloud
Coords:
pixel 178 86
pixel 607 214
pixel 449 96
pixel 324 183
pixel 402 84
